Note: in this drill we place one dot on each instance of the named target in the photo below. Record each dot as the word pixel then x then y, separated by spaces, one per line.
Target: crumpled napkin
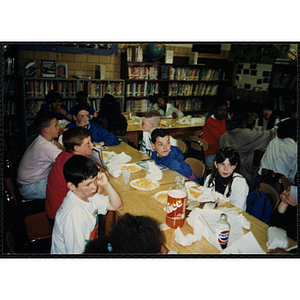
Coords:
pixel 277 237
pixel 243 221
pixel 208 195
pixel 114 165
pixel 184 240
pixel 153 171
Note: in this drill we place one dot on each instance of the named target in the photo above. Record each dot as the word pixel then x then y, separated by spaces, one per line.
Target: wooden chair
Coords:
pixel 182 146
pixel 198 133
pixel 277 180
pixel 196 147
pixel 271 191
pixel 36 225
pixel 10 242
pixel 197 166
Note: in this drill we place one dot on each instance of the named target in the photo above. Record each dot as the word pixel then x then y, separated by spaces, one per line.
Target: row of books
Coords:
pixel 143 73
pixel 99 89
pixel 9 66
pixel 10 107
pixel 284 80
pixel 11 127
pixel 138 105
pixel 283 103
pixel 40 88
pixel 9 87
pixel 194 74
pixel 189 89
pixel 187 104
pixel 142 89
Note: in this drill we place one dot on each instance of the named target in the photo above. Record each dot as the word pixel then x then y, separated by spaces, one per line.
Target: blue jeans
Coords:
pixel 209 160
pixel 36 190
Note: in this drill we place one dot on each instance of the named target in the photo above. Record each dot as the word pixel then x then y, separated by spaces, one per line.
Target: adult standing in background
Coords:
pixel 245 141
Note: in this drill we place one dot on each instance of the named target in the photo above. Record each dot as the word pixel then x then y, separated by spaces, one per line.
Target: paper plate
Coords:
pixel 153 186
pixel 107 155
pixel 132 167
pixel 159 197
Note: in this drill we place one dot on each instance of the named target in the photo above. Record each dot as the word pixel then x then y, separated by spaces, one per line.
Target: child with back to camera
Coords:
pixel 131 234
pixel 225 179
pixel 76 221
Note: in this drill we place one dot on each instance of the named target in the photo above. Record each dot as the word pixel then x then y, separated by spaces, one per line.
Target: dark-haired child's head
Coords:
pixel 53 97
pixel 288 129
pixel 161 142
pixel 226 161
pixel 78 140
pixel 239 119
pixel 131 234
pixel 78 169
pixel 81 98
pixel 136 234
pixel 220 107
pixel 268 109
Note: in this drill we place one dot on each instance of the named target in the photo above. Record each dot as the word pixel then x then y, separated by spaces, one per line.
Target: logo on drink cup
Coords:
pixel 223 237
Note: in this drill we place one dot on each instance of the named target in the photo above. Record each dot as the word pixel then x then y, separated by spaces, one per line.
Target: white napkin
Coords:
pixel 208 219
pixel 114 165
pixel 153 171
pixel 247 244
pixel 243 221
pixel 184 240
pixel 208 195
pixel 277 238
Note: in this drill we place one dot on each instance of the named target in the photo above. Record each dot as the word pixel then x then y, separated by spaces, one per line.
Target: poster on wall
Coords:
pixel 48 68
pixel 61 70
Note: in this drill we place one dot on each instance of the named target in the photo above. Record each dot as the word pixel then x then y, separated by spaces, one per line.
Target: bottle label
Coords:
pixel 176 205
pixel 223 237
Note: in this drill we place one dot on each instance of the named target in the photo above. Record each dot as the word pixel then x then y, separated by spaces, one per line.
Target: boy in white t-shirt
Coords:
pixel 76 221
pixel 150 121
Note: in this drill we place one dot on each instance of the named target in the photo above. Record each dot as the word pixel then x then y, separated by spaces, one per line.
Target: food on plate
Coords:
pixel 130 122
pixel 132 168
pixel 162 197
pixel 105 154
pixel 195 192
pixel 145 183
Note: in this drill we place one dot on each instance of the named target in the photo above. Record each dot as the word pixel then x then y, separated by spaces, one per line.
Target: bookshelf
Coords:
pixel 95 89
pixel 283 87
pixel 11 96
pixel 190 88
pixel 36 89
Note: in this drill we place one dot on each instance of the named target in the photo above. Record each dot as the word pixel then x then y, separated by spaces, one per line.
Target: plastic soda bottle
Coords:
pixel 177 197
pixel 222 230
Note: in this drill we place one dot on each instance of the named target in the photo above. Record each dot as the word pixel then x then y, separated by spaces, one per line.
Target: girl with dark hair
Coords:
pixel 226 180
pixel 267 120
pixel 109 116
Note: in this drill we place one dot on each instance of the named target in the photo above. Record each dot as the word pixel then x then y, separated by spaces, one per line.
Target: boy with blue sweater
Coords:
pixel 169 156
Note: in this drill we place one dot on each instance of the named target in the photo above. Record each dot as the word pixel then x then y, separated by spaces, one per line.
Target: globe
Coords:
pixel 155 51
